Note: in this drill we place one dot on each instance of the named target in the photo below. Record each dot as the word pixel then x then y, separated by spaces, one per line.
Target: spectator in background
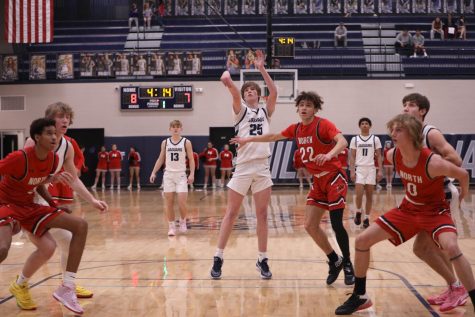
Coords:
pixel 226 158
pixel 437 27
pixel 147 16
pixel 115 166
pixel 462 30
pixel 134 16
pixel 418 40
pixel 450 29
pixel 210 155
pixel 403 45
pixel 101 169
pixel 341 35
pixel 134 167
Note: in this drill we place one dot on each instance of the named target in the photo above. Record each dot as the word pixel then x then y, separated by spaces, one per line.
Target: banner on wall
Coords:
pixel 450 6
pixel 9 68
pixel 193 63
pixel 385 6
pixel 281 7
pixel 467 6
pixel 301 6
pixel 37 67
pixel 435 6
pixel 403 6
pixel 419 6
pixel 351 6
pixel 87 65
pixel 122 64
pixel 334 6
pixel 105 65
pixel 316 6
pixel 231 7
pixel 197 7
pixel 367 6
pixel 282 170
pixel 249 7
pixel 174 64
pixel 64 66
pixel 182 7
pixel 140 65
pixel 157 64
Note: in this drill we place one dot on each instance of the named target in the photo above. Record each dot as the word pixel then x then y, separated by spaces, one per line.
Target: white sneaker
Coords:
pixel 204 187
pixel 112 188
pixel 138 186
pixel 183 227
pixel 214 186
pixel 129 187
pixel 301 185
pixel 93 187
pixel 171 230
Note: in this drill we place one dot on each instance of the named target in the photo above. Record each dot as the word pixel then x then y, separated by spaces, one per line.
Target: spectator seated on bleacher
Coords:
pixel 404 45
pixel 437 28
pixel 450 29
pixel 133 16
pixel 462 28
pixel 341 35
pixel 147 16
pixel 418 40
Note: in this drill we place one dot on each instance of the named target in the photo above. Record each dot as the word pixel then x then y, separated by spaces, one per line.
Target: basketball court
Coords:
pixel 134 269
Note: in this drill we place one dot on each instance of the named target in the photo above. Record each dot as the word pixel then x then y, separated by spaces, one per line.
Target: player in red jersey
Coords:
pixel 134 167
pixel 226 158
pixel 301 170
pixel 101 169
pixel 63 116
pixel 27 170
pixel 211 156
pixel 424 208
pixel 319 142
pixel 115 166
pixel 418 106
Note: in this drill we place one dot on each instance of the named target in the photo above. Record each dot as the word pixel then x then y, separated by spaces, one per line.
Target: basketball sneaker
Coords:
pixel 354 303
pixel 349 273
pixel 93 187
pixel 66 296
pixel 82 292
pixel 263 267
pixel 129 187
pixel 138 187
pixel 366 223
pixel 171 230
pixel 358 218
pixel 457 297
pixel 439 299
pixel 334 270
pixel 216 269
pixel 22 295
pixel 183 227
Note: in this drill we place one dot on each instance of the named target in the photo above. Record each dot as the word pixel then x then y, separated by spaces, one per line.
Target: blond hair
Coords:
pixel 411 124
pixel 175 123
pixel 59 107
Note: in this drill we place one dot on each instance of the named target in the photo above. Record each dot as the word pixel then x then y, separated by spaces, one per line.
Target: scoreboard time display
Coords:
pixel 284 47
pixel 156 98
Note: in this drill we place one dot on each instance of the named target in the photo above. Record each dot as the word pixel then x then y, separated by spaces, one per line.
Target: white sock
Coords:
pixel 262 256
pixel 358 210
pixel 171 224
pixel 22 279
pixel 69 279
pixel 455 284
pixel 366 216
pixel 219 253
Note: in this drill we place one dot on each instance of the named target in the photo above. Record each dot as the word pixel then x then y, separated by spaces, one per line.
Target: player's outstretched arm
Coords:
pixel 440 145
pixel 269 137
pixel 440 167
pixel 159 162
pixel 78 186
pixel 272 98
pixel 228 82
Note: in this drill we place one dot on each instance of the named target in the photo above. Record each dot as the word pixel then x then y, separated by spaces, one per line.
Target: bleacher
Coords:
pixel 315 54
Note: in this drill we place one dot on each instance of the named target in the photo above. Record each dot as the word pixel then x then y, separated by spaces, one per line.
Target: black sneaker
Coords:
pixel 216 269
pixel 358 218
pixel 349 273
pixel 334 271
pixel 263 267
pixel 354 303
pixel 366 223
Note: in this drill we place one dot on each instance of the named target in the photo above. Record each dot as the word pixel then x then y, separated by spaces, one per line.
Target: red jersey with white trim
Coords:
pixel 102 157
pixel 226 158
pixel 385 159
pixel 298 160
pixel 210 154
pixel 313 139
pixel 134 159
pixel 420 187
pixel 22 172
pixel 115 158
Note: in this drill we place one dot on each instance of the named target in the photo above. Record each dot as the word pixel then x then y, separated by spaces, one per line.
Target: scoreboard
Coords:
pixel 156 98
pixel 284 46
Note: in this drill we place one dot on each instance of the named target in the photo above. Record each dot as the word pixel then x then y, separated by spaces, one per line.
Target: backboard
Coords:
pixel 285 79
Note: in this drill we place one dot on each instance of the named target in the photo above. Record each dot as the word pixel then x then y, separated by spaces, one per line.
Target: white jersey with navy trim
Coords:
pixel 365 147
pixel 175 155
pixel 61 150
pixel 251 122
pixel 425 134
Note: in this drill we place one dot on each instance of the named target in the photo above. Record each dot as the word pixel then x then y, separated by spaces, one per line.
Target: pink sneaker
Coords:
pixel 457 297
pixel 183 227
pixel 171 230
pixel 439 299
pixel 67 297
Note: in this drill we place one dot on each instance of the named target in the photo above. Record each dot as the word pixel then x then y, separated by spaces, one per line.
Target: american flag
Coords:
pixel 29 21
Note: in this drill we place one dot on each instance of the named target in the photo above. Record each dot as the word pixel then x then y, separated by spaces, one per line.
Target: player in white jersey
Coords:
pixel 455 295
pixel 252 164
pixel 173 152
pixel 46 244
pixel 363 149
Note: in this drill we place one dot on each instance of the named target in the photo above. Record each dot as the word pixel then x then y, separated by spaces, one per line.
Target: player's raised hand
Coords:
pixel 226 79
pixel 260 59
